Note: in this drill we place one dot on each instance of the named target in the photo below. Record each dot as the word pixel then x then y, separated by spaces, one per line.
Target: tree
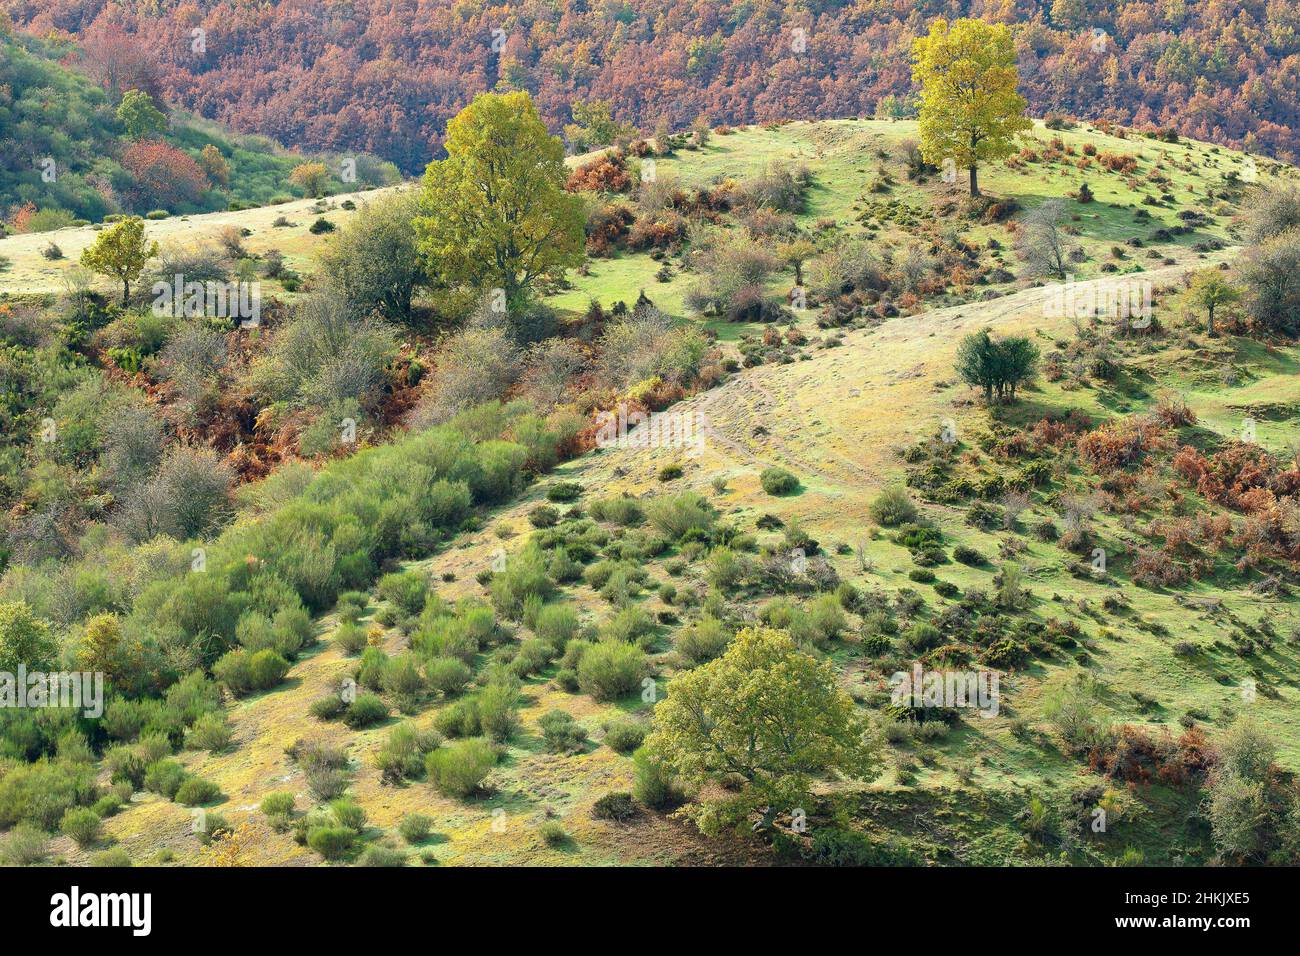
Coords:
pixel 1270 273
pixel 165 177
pixel 215 165
pixel 970 109
pixel 795 254
pixel 496 214
pixel 998 368
pixel 593 126
pixel 764 711
pixel 120 252
pixel 312 177
pixel 1042 241
pixel 138 114
pixel 1209 289
pixel 374 260
pixel 24 639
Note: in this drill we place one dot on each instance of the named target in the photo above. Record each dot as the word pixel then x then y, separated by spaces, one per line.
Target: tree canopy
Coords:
pixel 120 252
pixel 495 211
pixel 970 107
pixel 998 367
pixel 765 711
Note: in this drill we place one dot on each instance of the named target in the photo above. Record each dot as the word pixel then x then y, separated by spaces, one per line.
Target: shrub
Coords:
pixel 624 735
pixel 82 824
pixel 447 675
pixel 556 624
pixel 406 590
pixel 609 670
pixel 967 555
pixel 326 783
pixel 195 791
pixel 459 769
pixel 618 807
pixel 381 856
pixel 350 637
pixel 278 804
pixel 348 814
pixel 620 511
pixel 893 507
pixel 328 708
pixel 675 516
pixel 704 640
pixel 112 857
pixel 652 782
pixel 553 833
pixel 332 843
pixel 367 709
pixel 165 777
pixel 778 481
pixel 415 827
pixel 25 845
pixel 561 733
pixel 210 732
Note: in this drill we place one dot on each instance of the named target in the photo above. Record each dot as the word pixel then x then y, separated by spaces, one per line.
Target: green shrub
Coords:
pixel 675 516
pixel 624 735
pixel 367 709
pixel 609 670
pixel 278 804
pixel 165 777
pixel 405 589
pixel 210 732
pixel 893 507
pixel 112 857
pixel 348 813
pixel 447 675
pixel 703 641
pixel 614 806
pixel 376 855
pixel 556 624
pixel 563 491
pixel 351 638
pixel 620 511
pixel 524 576
pixel 778 481
pixel 82 824
pixel 415 827
pixel 332 843
pixel 561 733
pixel 459 769
pixel 553 833
pixel 195 791
pixel 25 845
pixel 498 710
pixel 328 708
pixel 652 782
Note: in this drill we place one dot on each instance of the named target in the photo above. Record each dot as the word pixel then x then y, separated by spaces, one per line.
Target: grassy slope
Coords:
pixel 833 419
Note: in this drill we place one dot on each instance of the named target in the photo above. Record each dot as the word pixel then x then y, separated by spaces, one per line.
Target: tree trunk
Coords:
pixel 1209 325
pixel 126 292
pixel 974 181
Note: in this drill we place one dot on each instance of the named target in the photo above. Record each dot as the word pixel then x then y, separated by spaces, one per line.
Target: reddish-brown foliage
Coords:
pixel 165 177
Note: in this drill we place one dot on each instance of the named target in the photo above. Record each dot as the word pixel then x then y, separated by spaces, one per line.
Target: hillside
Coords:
pixel 1120 444
pixel 384 79
pixel 67 156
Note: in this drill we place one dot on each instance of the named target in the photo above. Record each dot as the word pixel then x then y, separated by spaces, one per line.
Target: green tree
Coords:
pixel 1209 289
pixel 120 252
pixel 970 109
pixel 764 711
pixel 795 254
pixel 24 639
pixel 374 260
pixel 998 368
pixel 138 114
pixel 496 214
pixel 594 126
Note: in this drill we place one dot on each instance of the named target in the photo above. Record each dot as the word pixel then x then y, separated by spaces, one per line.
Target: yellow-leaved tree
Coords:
pixel 970 108
pixel 496 214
